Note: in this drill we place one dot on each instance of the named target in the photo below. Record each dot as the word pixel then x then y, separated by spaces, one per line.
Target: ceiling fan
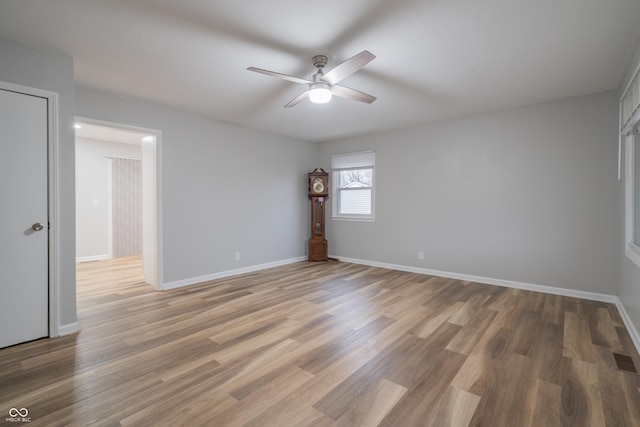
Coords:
pixel 323 85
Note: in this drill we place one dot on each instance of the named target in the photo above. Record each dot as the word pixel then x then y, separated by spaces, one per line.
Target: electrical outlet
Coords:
pixel 420 255
pixel 237 256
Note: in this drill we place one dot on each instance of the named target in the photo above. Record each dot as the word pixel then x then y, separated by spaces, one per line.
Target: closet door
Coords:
pixel 24 265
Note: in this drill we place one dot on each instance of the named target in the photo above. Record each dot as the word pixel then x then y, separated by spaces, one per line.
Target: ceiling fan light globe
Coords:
pixel 320 93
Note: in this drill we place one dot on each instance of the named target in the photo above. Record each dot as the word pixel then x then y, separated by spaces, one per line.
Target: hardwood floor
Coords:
pixel 324 344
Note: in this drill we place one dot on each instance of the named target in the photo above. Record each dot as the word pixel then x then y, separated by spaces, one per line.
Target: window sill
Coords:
pixel 633 253
pixel 354 218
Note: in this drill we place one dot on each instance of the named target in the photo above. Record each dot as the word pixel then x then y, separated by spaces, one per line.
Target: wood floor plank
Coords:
pixel 325 355
pixel 547 351
pixel 419 402
pixel 261 398
pixel 371 407
pixel 434 319
pixel 548 399
pixel 581 400
pixel 525 331
pixel 553 311
pixel 618 391
pixel 577 337
pixel 324 344
pixel 294 408
pixel 508 402
pixel 465 313
pixel 470 334
pixel 455 409
pixel 405 363
pixel 603 330
pixel 479 368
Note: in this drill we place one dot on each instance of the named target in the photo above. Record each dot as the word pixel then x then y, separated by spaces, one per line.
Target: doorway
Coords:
pixel 99 146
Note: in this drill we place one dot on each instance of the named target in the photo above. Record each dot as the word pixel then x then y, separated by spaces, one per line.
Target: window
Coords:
pixel 632 215
pixel 636 196
pixel 629 129
pixel 353 186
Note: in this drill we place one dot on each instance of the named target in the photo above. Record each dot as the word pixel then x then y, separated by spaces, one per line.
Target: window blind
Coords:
pixel 630 102
pixel 355 202
pixel 353 160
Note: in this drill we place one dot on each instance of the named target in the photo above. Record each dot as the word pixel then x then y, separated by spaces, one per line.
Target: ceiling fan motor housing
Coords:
pixel 319 61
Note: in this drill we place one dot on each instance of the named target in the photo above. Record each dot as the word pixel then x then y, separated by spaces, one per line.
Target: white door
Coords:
pixel 24 270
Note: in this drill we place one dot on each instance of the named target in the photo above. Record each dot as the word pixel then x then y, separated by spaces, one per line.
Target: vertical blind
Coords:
pixel 126 207
pixel 630 101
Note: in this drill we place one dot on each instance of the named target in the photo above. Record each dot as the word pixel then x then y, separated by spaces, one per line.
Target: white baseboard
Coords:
pixel 195 280
pixel 593 296
pixel 488 280
pixel 631 328
pixel 68 329
pixel 92 258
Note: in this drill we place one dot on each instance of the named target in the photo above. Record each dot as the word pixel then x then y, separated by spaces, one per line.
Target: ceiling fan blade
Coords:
pixel 295 101
pixel 348 67
pixel 355 95
pixel 280 75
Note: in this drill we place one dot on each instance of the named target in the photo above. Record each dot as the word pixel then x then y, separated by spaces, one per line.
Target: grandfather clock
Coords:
pixel 318 193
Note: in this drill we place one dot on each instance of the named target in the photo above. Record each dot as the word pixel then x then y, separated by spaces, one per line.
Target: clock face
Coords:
pixel 318 185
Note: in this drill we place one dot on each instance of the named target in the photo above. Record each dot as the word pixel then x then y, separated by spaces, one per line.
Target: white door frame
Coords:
pixel 152 212
pixel 53 190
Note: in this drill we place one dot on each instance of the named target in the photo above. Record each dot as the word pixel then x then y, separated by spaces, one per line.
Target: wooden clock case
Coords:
pixel 318 194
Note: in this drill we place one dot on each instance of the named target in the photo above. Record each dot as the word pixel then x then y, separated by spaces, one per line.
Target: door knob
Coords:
pixel 37 226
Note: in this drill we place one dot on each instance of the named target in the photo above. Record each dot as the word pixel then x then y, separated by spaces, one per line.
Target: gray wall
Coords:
pixel 526 195
pixel 224 188
pixel 629 291
pixel 29 67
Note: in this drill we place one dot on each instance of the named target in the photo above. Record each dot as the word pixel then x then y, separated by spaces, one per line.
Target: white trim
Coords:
pixel 155 274
pixel 93 258
pixel 336 191
pixel 68 329
pixel 487 280
pixel 630 249
pixel 53 191
pixel 632 253
pixel 228 273
pixel 54 223
pixel 355 219
pixel 631 328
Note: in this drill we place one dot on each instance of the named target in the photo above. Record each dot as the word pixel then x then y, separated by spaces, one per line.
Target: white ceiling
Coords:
pixel 436 59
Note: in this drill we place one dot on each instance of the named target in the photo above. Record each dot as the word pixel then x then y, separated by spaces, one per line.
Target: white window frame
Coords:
pixel 336 190
pixel 630 133
pixel 632 251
